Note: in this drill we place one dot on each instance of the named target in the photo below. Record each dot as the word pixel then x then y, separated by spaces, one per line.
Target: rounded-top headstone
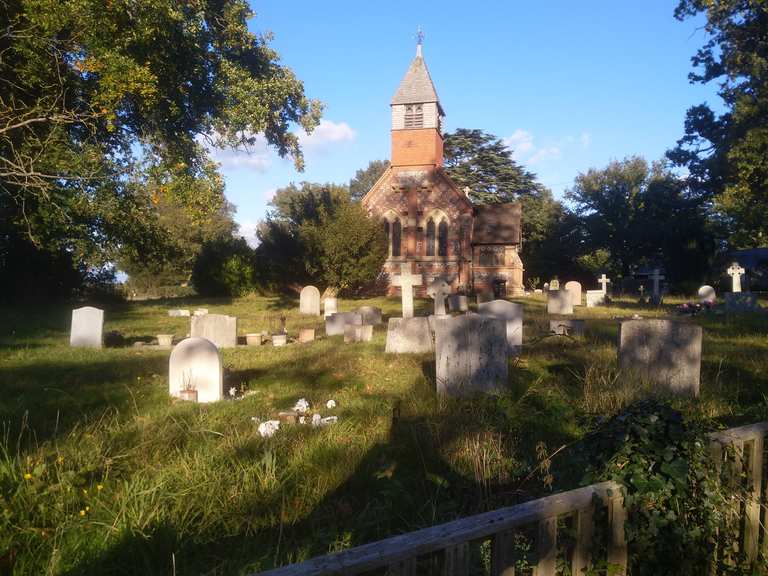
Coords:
pixel 309 301
pixel 87 327
pixel 574 289
pixel 196 363
pixel 707 294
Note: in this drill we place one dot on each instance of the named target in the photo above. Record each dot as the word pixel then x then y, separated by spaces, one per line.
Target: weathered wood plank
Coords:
pixel 617 546
pixel 406 567
pixel 582 551
pixel 546 546
pixel 755 485
pixel 740 433
pixel 503 554
pixel 388 552
pixel 456 560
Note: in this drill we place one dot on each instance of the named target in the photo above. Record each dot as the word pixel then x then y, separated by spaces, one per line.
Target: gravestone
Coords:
pixel 483 297
pixel 279 340
pixel 306 335
pixel 165 340
pixel 735 271
pixel 87 327
pixel 309 301
pixel 554 284
pixel 740 302
pixel 512 314
pixel 574 288
pixel 559 302
pixel 218 328
pixel 439 290
pixel 407 281
pixel 662 351
pixel 604 281
pixel 470 354
pixel 334 324
pixel 358 333
pixel 567 327
pixel 196 364
pixel 595 298
pixel 458 303
pixel 254 339
pixel 707 295
pixel 330 306
pixel 200 312
pixel 408 336
pixel 178 313
pixel 370 315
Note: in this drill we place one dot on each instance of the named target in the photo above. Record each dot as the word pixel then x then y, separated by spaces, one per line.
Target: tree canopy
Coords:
pixel 365 178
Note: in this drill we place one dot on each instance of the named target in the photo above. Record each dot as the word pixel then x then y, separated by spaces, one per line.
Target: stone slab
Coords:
pixel 178 313
pixel 334 324
pixel 309 301
pixel 358 333
pixel 196 363
pixel 559 302
pixel 595 298
pixel 574 288
pixel 254 339
pixel 370 315
pixel 512 314
pixel 218 328
pixel 87 327
pixel 279 340
pixel 567 327
pixel 409 335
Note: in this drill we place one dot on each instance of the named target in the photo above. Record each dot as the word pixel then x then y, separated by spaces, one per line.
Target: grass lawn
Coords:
pixel 102 473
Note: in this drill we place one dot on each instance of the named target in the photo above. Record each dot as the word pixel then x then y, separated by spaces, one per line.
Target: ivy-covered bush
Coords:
pixel 224 268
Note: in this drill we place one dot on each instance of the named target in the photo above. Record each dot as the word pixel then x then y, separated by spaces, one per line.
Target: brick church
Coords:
pixel 429 221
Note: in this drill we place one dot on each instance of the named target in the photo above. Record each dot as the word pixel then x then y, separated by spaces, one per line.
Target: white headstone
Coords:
pixel 559 302
pixel 439 290
pixel 196 364
pixel 87 327
pixel 407 281
pixel 707 295
pixel 574 289
pixel 595 298
pixel 330 306
pixel 604 281
pixel 512 314
pixel 656 277
pixel 409 336
pixel 470 354
pixel 218 328
pixel 309 301
pixel 735 271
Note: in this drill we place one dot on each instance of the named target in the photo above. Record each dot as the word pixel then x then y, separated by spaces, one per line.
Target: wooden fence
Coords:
pixel 448 548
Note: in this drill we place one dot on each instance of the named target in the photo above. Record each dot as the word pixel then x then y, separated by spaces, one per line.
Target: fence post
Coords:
pixel 582 552
pixel 456 560
pixel 617 546
pixel 755 485
pixel 546 545
pixel 503 554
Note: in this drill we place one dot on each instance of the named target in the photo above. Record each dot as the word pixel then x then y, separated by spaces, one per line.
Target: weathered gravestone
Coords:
pixel 200 312
pixel 306 335
pixel 408 336
pixel 279 340
pixel 559 302
pixel 370 315
pixel 330 306
pixel 218 328
pixel 740 302
pixel 358 333
pixel 554 284
pixel 595 298
pixel 567 327
pixel 512 314
pixel 178 313
pixel 458 303
pixel 470 354
pixel 483 297
pixel 735 271
pixel 334 324
pixel 87 327
pixel 707 295
pixel 656 277
pixel 195 364
pixel 309 301
pixel 407 282
pixel 574 289
pixel 662 351
pixel 439 290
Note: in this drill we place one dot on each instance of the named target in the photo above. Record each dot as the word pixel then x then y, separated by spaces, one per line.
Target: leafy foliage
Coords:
pixel 727 154
pixel 365 178
pixel 224 267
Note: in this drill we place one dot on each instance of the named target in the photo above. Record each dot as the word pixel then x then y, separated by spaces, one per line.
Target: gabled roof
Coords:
pixel 497 224
pixel 416 86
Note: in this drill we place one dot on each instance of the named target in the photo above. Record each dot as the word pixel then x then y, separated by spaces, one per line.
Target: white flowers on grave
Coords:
pixel 267 429
pixel 301 406
pixel 232 392
pixel 331 404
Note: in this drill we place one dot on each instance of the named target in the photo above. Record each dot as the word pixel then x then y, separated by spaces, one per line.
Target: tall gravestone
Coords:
pixel 218 328
pixel 195 364
pixel 574 289
pixel 409 336
pixel 87 327
pixel 662 351
pixel 559 302
pixel 735 271
pixel 512 315
pixel 407 281
pixel 309 301
pixel 439 290
pixel 334 324
pixel 470 354
pixel 330 306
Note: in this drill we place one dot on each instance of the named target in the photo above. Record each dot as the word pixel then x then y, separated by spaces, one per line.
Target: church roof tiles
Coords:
pixel 416 86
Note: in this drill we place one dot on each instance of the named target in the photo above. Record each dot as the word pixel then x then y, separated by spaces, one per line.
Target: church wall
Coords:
pixel 419 147
pixel 398 116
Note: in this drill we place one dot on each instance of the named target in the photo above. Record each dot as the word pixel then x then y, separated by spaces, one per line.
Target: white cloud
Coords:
pixel 526 151
pixel 551 152
pixel 521 144
pixel 585 139
pixel 248 231
pixel 326 134
pixel 258 156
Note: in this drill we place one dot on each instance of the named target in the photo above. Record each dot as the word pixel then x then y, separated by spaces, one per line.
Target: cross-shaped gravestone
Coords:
pixel 604 281
pixel 656 278
pixel 407 281
pixel 438 290
pixel 641 289
pixel 735 272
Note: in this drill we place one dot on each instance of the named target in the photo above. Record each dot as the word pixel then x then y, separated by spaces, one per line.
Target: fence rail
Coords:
pixel 448 545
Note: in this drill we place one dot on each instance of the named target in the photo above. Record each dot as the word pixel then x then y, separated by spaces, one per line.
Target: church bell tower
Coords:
pixel 417 118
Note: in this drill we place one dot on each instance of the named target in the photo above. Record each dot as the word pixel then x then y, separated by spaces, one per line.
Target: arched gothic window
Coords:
pixel 442 238
pixel 386 231
pixel 431 237
pixel 397 230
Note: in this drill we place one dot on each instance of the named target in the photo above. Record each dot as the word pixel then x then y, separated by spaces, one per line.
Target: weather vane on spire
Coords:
pixel 419 40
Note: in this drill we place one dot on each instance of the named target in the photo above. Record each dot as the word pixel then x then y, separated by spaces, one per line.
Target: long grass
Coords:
pixel 102 473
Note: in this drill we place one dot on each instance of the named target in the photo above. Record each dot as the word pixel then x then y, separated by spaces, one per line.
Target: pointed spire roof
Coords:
pixel 416 86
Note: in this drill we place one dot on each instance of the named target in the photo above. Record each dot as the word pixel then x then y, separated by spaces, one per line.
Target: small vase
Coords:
pixel 188 395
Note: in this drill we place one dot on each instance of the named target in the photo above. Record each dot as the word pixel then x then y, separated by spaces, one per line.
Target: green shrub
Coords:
pixel 224 268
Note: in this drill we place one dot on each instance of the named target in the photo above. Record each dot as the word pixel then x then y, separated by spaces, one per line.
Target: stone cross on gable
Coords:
pixel 656 277
pixel 438 290
pixel 735 272
pixel 604 281
pixel 407 281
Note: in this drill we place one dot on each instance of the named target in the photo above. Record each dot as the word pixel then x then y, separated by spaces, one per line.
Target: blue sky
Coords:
pixel 569 85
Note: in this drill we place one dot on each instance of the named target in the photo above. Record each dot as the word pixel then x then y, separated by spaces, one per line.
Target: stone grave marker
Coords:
pixel 279 340
pixel 512 314
pixel 662 351
pixel 595 298
pixel 334 324
pixel 458 303
pixel 408 335
pixel 370 315
pixel 407 281
pixel 330 306
pixel 656 277
pixel 439 290
pixel 87 327
pixel 554 284
pixel 559 302
pixel 470 354
pixel 604 281
pixel 218 328
pixel 567 327
pixel 306 335
pixel 165 340
pixel 574 288
pixel 483 297
pixel 200 312
pixel 358 333
pixel 735 271
pixel 707 295
pixel 196 364
pixel 178 313
pixel 309 301
pixel 741 302
pixel 254 339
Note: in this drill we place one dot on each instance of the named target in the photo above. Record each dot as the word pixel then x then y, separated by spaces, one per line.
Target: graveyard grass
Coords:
pixel 102 473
